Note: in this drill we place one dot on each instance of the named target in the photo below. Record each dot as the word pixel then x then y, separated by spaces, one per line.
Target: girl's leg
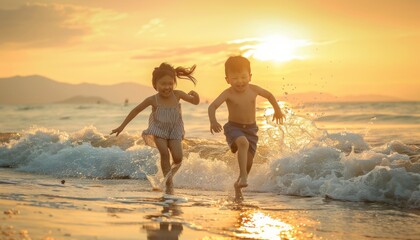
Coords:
pixel 165 164
pixel 175 146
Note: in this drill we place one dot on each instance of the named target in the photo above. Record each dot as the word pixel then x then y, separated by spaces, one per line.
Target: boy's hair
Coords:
pixel 179 72
pixel 237 63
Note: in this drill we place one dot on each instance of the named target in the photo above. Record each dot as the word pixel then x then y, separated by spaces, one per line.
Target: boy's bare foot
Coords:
pixel 238 192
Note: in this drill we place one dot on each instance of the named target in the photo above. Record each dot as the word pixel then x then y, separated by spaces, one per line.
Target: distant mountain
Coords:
pixel 84 100
pixel 39 89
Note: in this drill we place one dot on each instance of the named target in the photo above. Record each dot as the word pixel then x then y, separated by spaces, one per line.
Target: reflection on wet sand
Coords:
pixel 169 231
pixel 231 221
pixel 167 228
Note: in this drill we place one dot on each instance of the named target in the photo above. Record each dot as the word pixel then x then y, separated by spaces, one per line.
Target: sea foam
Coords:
pixel 338 166
pixel 47 151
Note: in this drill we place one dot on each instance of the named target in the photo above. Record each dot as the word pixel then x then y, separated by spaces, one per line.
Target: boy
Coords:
pixel 241 128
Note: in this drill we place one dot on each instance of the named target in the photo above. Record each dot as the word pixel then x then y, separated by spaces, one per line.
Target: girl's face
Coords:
pixel 165 85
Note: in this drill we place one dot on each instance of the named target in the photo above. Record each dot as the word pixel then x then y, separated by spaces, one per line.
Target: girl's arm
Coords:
pixel 278 115
pixel 146 102
pixel 191 97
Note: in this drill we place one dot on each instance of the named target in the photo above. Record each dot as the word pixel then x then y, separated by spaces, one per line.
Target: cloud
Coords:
pixel 228 48
pixel 47 25
pixel 155 25
pixel 272 49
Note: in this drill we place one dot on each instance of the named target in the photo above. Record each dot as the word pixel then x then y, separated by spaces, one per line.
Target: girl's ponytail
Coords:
pixel 186 73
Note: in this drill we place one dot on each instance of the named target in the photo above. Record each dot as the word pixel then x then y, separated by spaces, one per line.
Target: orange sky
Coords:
pixel 338 47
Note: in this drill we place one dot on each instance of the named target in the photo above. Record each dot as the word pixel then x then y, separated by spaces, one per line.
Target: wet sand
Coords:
pixel 40 207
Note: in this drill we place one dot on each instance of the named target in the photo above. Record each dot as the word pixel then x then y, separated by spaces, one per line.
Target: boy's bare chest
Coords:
pixel 242 101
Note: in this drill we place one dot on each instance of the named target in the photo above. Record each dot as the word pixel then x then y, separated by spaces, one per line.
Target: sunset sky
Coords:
pixel 334 46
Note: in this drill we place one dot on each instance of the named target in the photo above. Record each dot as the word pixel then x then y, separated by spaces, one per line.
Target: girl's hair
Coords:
pixel 179 72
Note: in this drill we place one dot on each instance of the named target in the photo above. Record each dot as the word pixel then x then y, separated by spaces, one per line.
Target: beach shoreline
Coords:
pixel 292 218
pixel 41 207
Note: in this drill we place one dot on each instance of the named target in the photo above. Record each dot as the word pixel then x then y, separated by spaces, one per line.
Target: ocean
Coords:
pixel 332 171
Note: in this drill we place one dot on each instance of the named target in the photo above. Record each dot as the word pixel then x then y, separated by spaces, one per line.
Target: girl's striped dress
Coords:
pixel 164 122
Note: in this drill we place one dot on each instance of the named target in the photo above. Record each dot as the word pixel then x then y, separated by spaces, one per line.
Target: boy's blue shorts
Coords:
pixel 234 130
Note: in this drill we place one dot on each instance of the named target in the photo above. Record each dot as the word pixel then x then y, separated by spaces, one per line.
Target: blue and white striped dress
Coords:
pixel 164 122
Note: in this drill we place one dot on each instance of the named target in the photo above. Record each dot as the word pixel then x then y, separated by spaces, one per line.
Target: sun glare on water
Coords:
pixel 273 48
pixel 258 225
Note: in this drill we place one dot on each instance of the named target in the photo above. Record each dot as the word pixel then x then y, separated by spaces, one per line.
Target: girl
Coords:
pixel 166 128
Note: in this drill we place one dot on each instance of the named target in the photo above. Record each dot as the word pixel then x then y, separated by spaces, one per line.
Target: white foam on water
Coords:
pixel 209 174
pixel 341 166
pixel 48 151
pixel 375 175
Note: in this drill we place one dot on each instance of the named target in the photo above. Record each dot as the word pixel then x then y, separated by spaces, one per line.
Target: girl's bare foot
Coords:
pixel 242 182
pixel 169 190
pixel 169 187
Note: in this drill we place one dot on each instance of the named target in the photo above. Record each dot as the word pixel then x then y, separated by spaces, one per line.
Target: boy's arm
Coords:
pixel 214 125
pixel 278 115
pixel 133 113
pixel 191 97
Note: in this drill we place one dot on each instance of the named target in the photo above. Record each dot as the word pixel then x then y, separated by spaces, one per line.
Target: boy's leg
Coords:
pixel 238 190
pixel 243 145
pixel 250 161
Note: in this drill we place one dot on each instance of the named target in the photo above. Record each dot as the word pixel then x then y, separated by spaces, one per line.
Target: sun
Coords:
pixel 274 48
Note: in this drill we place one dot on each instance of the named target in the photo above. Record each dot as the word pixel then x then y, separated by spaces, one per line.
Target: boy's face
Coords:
pixel 239 80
